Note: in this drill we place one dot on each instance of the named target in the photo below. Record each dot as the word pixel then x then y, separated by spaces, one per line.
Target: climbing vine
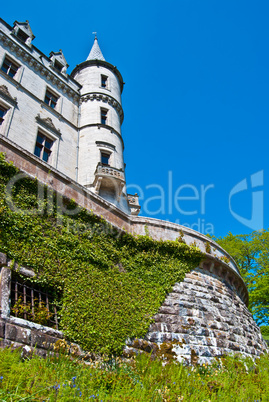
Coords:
pixel 111 283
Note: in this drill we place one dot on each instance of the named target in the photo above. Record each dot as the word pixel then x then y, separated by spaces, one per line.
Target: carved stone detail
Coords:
pixel 48 123
pixel 106 99
pixel 37 64
pixel 4 93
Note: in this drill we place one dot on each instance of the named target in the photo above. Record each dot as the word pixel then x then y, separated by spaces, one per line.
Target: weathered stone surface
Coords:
pixel 29 336
pixel 5 278
pixel 209 317
pixel 3 259
pixel 2 329
pixel 42 340
pixel 18 334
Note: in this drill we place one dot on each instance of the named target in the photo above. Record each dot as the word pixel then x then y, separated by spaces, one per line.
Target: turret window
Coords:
pixel 104 116
pixel 105 158
pixel 51 99
pixel 43 147
pixel 104 81
pixel 9 67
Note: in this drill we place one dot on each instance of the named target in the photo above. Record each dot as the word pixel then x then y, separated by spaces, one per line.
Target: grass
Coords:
pixel 140 379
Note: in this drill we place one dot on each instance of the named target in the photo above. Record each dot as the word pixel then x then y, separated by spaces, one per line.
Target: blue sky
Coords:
pixel 195 99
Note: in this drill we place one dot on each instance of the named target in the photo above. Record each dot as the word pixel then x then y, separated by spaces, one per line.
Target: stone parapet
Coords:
pixel 136 225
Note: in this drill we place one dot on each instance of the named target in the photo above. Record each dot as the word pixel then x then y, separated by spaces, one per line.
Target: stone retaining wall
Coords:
pixel 31 337
pixel 207 316
pixel 207 310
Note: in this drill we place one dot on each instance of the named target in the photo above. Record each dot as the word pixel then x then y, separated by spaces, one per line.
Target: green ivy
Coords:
pixel 111 283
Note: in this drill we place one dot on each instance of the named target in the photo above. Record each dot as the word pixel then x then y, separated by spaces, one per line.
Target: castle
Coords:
pixel 73 122
pixel 65 130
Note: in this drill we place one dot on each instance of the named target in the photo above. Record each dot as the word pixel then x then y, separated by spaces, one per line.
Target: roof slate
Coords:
pixel 96 53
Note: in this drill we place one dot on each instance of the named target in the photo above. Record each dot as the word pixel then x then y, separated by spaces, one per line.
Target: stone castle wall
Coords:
pixel 207 317
pixel 206 313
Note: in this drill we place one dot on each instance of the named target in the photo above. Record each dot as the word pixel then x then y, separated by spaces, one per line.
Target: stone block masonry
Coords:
pixel 207 317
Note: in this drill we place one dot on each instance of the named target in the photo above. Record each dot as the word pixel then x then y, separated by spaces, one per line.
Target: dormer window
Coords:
pixel 9 67
pixel 22 35
pixel 51 99
pixel 104 81
pixel 58 62
pixel 58 66
pixel 23 32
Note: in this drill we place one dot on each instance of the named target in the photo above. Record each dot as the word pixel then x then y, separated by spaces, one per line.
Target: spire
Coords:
pixel 95 53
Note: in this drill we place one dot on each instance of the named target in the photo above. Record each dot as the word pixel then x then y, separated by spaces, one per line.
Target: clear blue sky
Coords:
pixel 195 100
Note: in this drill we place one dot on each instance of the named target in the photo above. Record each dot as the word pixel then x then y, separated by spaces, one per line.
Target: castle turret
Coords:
pixel 100 163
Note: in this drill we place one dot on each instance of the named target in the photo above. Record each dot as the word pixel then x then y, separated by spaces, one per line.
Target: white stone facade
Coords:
pixel 73 123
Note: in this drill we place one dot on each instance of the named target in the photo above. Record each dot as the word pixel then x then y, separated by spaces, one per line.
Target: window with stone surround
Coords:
pixel 104 81
pixel 105 156
pixel 51 99
pixel 43 147
pixel 9 67
pixel 58 66
pixel 22 35
pixel 32 302
pixel 3 111
pixel 104 113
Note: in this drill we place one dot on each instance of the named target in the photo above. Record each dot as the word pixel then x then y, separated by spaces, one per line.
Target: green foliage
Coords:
pixel 265 331
pixel 141 379
pixel 111 284
pixel 39 314
pixel 251 253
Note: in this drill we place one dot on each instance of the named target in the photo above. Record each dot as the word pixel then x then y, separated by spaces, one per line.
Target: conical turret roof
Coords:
pixel 95 53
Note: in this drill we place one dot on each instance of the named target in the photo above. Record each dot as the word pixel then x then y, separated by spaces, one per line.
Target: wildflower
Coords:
pixel 1 378
pixel 73 378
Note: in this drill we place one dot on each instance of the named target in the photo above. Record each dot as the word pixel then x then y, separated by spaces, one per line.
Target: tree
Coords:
pixel 251 253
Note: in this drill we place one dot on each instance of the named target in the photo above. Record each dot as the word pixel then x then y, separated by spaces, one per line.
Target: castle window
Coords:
pixel 51 99
pixel 43 147
pixel 9 67
pixel 32 303
pixel 104 116
pixel 104 81
pixel 22 35
pixel 58 66
pixel 3 111
pixel 105 158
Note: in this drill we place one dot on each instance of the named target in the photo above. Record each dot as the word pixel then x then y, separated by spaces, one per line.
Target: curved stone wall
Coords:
pixel 207 310
pixel 206 316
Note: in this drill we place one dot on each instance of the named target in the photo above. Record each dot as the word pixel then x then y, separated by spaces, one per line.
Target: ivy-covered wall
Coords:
pixel 111 284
